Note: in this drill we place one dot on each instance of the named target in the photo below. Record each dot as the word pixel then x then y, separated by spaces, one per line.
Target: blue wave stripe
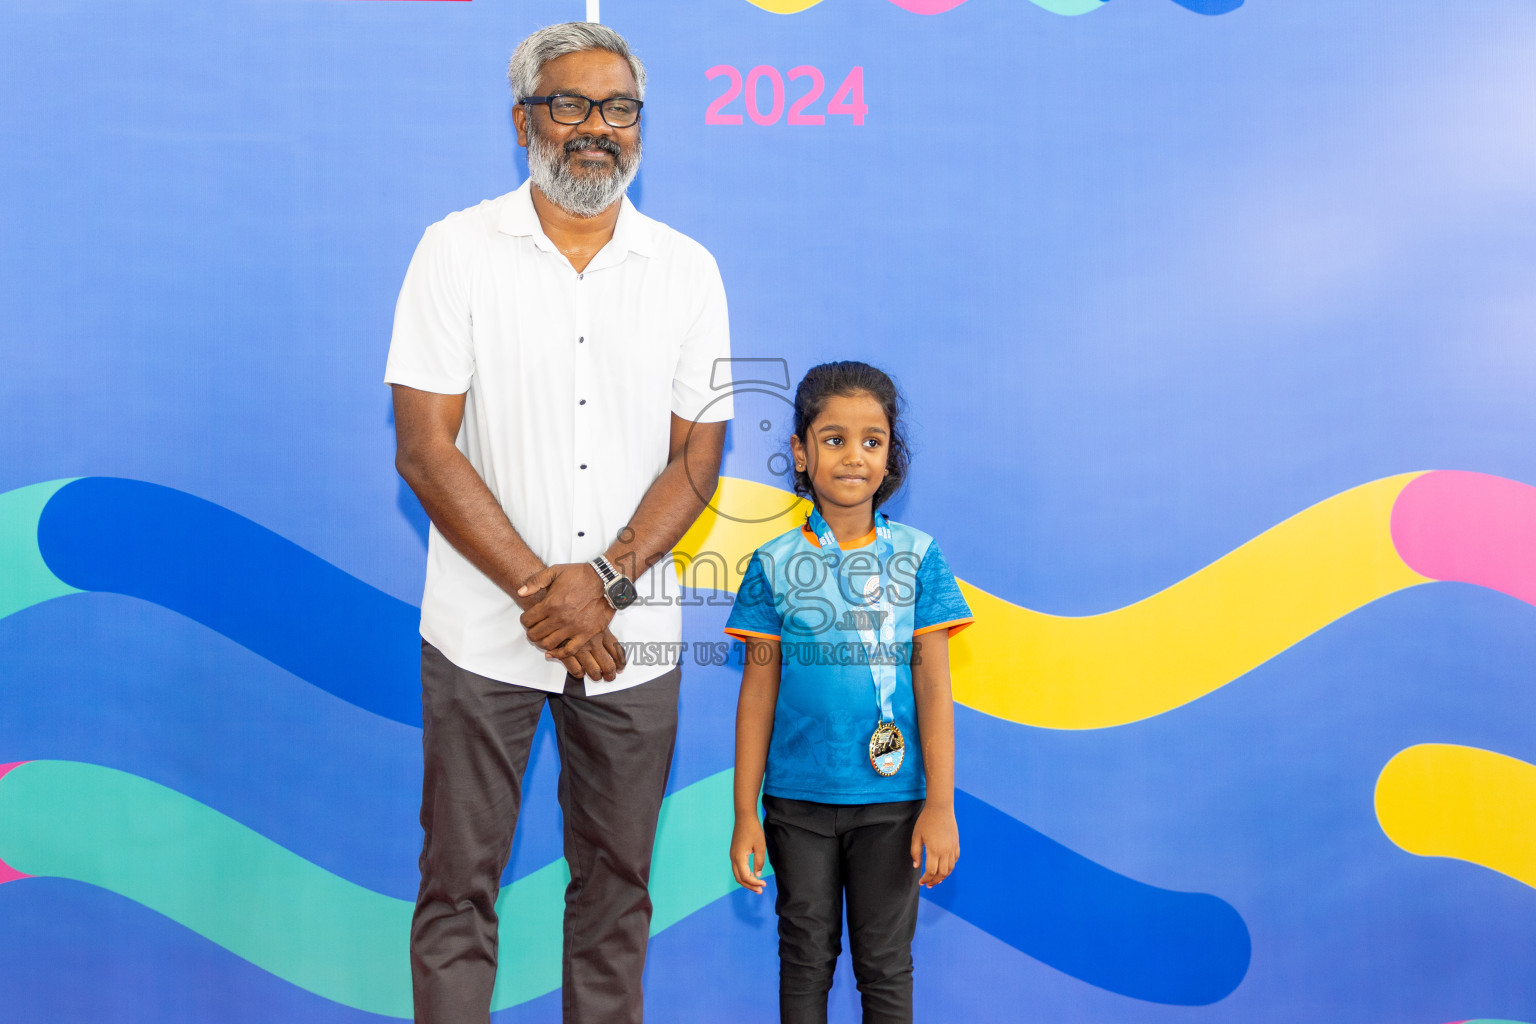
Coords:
pixel 1178 948
pixel 1210 6
pixel 242 580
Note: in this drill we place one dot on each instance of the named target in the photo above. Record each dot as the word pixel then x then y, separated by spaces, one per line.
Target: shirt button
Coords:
pixel 580 340
pixel 581 533
pixel 583 465
pixel 582 402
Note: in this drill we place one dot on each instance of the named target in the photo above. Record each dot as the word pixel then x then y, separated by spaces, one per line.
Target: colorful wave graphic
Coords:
pixel 239 579
pixel 1089 922
pixel 1064 7
pixel 344 942
pixel 298 611
pixel 318 931
pixel 1221 622
pixel 230 574
pixel 1199 634
pixel 1445 800
pixel 1087 672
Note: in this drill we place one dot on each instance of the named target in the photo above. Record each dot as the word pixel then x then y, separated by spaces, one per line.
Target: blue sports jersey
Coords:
pixel 827 705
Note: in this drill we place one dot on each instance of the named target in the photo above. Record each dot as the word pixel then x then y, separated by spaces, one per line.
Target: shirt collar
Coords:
pixel 864 541
pixel 633 232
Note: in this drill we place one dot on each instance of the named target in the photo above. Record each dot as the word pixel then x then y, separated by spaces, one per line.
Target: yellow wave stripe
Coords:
pixel 1443 800
pixel 1097 671
pixel 784 6
pixel 1199 634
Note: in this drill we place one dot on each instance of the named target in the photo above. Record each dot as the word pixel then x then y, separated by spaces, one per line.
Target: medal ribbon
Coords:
pixel 876 604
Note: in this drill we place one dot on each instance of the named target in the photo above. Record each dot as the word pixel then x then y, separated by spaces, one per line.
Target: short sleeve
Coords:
pixel 939 603
pixel 754 613
pixel 432 348
pixel 701 383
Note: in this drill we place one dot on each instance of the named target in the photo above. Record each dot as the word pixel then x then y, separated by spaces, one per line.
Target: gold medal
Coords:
pixel 886 748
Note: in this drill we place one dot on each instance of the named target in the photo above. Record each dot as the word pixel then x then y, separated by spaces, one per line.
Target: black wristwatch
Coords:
pixel 617 587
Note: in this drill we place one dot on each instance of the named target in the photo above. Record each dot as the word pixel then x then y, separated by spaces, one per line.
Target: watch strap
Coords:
pixel 605 570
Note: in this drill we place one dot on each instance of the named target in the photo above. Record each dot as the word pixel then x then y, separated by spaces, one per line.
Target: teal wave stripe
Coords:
pixel 25 579
pixel 314 929
pixel 1069 7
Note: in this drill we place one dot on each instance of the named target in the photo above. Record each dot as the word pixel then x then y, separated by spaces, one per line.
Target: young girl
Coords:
pixel 845 702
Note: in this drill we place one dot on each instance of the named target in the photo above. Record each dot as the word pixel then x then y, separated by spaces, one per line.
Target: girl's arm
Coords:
pixel 754 728
pixel 935 828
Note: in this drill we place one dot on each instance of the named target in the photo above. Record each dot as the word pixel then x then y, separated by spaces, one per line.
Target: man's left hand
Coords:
pixel 573 611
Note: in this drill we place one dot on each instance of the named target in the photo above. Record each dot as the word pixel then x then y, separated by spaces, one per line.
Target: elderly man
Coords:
pixel 552 365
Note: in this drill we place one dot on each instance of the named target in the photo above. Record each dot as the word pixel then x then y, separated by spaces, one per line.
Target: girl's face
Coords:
pixel 845 449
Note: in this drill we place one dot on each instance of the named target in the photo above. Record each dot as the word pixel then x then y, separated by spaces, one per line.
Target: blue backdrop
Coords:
pixel 1153 280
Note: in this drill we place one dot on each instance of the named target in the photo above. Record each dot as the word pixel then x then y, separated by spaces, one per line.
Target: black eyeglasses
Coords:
pixel 565 108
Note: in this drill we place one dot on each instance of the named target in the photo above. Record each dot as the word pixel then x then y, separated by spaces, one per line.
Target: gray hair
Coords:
pixel 547 44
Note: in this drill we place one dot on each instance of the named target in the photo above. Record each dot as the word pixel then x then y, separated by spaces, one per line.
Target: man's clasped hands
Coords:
pixel 566 614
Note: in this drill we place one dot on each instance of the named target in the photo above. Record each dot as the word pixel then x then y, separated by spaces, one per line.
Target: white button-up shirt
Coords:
pixel 570 379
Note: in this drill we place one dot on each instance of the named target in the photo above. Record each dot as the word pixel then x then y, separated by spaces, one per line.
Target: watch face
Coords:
pixel 622 593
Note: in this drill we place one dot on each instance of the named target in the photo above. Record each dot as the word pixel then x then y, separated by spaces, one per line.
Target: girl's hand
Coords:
pixel 936 830
pixel 749 852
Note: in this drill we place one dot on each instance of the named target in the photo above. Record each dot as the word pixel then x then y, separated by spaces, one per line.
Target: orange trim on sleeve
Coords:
pixel 954 626
pixel 742 634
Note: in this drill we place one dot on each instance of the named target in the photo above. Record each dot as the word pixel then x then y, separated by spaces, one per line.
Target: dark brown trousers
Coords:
pixel 615 751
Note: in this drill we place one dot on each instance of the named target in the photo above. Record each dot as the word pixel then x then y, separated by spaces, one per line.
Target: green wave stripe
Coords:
pixel 1069 7
pixel 25 579
pixel 314 929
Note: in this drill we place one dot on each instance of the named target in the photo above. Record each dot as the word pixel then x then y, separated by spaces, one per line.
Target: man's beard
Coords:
pixel 586 193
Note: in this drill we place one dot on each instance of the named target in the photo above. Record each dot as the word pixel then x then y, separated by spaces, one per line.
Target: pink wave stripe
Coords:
pixel 1469 528
pixel 928 6
pixel 8 873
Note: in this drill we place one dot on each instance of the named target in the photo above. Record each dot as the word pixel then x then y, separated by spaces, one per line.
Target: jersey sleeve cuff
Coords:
pixel 745 634
pixel 953 625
